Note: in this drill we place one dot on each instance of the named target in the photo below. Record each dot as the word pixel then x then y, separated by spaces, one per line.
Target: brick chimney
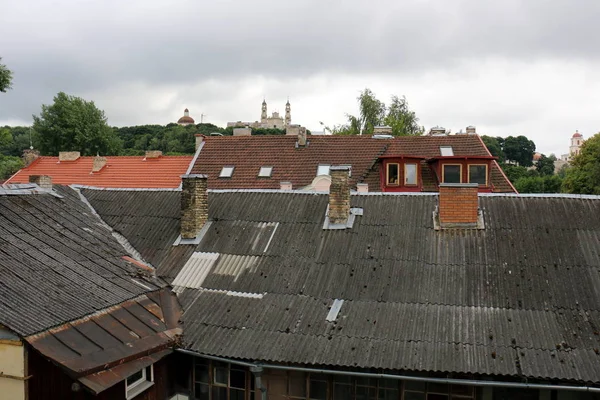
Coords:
pixel 29 156
pixel 471 130
pixel 153 153
pixel 339 194
pixel 43 181
pixel 98 163
pixel 194 204
pixel 68 156
pixel 302 136
pixel 458 205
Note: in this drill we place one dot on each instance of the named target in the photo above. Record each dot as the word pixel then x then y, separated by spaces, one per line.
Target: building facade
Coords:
pixel 274 121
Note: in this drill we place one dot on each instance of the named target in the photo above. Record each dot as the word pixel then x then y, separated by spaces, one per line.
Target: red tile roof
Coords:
pixel 298 165
pixel 119 171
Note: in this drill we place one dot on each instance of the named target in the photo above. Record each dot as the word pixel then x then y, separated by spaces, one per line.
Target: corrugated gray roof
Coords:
pixel 59 263
pixel 521 297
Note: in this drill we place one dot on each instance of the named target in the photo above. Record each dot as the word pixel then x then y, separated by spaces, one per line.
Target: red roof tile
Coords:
pixel 119 171
pixel 299 165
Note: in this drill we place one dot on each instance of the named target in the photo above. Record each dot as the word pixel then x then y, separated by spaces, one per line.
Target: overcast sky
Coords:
pixel 509 67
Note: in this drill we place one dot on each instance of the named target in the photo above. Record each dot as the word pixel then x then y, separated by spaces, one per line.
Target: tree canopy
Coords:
pixel 583 176
pixel 74 124
pixel 373 112
pixel 5 78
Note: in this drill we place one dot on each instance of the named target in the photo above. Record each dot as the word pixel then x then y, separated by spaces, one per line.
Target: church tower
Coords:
pixel 263 115
pixel 288 113
pixel 576 142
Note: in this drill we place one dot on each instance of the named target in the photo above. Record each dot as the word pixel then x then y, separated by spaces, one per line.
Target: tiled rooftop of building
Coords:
pixel 119 171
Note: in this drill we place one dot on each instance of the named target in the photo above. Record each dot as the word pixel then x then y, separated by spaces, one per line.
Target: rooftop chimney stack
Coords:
pixel 199 140
pixel 471 130
pixel 362 187
pixel 43 181
pixel 285 185
pixel 29 156
pixel 153 153
pixel 302 136
pixel 458 205
pixel 339 195
pixel 98 163
pixel 194 204
pixel 68 156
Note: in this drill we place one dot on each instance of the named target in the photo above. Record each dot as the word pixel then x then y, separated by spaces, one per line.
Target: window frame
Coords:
pixel 416 174
pixel 478 165
pixel 142 384
pixel 452 164
pixel 387 174
pixel 222 175
pixel 270 169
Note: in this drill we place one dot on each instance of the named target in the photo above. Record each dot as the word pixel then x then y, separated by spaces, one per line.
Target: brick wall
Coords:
pixel 43 181
pixel 68 155
pixel 98 163
pixel 458 205
pixel 339 195
pixel 194 205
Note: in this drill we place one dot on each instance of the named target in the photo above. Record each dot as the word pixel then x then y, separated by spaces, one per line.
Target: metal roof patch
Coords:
pixel 334 310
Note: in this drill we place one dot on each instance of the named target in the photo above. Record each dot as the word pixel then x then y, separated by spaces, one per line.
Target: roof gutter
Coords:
pixel 469 382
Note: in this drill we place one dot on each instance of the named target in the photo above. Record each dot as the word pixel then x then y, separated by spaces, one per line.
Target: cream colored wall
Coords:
pixel 12 362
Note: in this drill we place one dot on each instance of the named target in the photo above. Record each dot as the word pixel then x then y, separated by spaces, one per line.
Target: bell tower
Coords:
pixel 263 114
pixel 288 113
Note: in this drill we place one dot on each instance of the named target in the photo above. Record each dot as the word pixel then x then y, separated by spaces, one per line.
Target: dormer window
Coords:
pixel 393 174
pixel 227 172
pixel 451 173
pixel 478 174
pixel 323 169
pixel 446 151
pixel 265 172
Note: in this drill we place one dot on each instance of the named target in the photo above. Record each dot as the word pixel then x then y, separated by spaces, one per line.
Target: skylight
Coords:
pixel 265 172
pixel 323 169
pixel 226 172
pixel 446 151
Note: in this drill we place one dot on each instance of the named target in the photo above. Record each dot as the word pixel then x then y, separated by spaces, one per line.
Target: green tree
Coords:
pixel 74 124
pixel 583 176
pixel 9 165
pixel 545 165
pixel 5 78
pixel 519 149
pixel 539 184
pixel 401 119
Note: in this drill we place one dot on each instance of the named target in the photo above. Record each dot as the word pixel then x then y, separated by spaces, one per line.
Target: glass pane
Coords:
pixel 201 373
pixel 202 392
pixel 265 171
pixel 388 394
pixel 477 174
pixel 437 396
pixel 392 174
pixel 463 390
pixel 219 393
pixel 238 379
pixel 414 396
pixel 366 393
pixel 226 172
pixel 446 151
pixel 135 377
pixel 342 392
pixel 389 383
pixel 235 394
pixel 297 384
pixel 437 387
pixel 323 170
pixel 451 173
pixel 318 390
pixel 342 379
pixel 220 375
pixel 410 174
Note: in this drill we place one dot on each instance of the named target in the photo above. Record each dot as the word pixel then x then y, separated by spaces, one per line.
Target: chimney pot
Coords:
pixel 339 194
pixel 194 204
pixel 43 181
pixel 98 163
pixel 286 185
pixel 68 156
pixel 362 187
pixel 153 153
pixel 458 205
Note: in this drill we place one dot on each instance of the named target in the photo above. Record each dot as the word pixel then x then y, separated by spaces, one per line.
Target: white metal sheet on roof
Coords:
pixel 195 270
pixel 235 266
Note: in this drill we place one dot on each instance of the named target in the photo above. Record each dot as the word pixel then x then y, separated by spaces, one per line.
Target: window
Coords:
pixel 323 170
pixel 215 380
pixel 451 173
pixel 393 174
pixel 265 172
pixel 446 151
pixel 410 174
pixel 442 391
pixel 478 174
pixel 226 172
pixel 138 382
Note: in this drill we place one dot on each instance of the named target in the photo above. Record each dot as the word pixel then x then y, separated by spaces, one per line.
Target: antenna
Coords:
pixel 202 118
pixel 30 140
